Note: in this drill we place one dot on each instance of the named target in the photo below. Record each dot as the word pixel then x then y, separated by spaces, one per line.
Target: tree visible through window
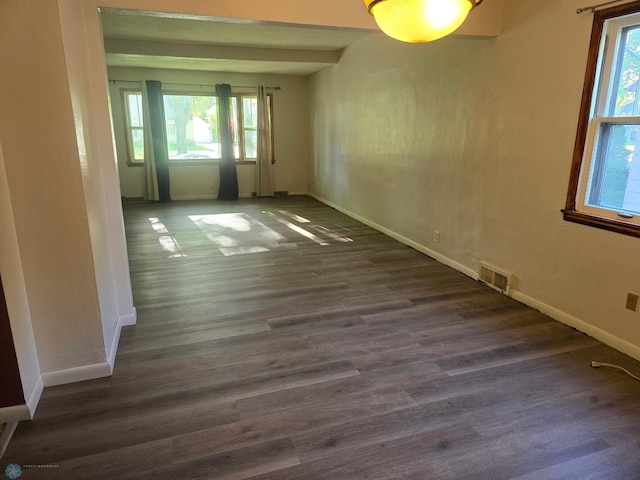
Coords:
pixel 192 126
pixel 616 142
pixel 191 123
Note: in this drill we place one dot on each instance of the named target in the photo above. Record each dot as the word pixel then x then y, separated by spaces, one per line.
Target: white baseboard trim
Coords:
pixel 129 319
pixel 34 396
pixel 26 411
pixel 76 374
pixel 113 350
pixel 17 413
pixel 123 321
pixel 605 337
pixel 402 239
pixel 181 198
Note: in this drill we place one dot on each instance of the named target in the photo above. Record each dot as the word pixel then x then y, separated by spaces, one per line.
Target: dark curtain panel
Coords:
pixel 159 136
pixel 228 175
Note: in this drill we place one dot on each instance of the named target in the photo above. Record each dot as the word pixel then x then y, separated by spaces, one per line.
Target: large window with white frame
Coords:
pixel 134 131
pixel 604 190
pixel 191 124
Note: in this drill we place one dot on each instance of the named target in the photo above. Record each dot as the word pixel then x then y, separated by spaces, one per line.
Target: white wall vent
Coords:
pixel 495 278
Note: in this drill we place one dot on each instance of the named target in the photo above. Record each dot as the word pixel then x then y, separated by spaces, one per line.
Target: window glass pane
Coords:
pixel 615 174
pixel 233 106
pixel 250 112
pixel 251 143
pixel 137 138
pixel 134 101
pixel 192 127
pixel 627 74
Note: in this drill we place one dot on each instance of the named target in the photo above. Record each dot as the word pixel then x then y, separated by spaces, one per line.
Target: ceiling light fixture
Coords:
pixel 418 21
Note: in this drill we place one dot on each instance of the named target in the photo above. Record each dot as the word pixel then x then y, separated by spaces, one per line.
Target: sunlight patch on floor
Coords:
pixel 240 233
pixel 167 242
pixel 223 230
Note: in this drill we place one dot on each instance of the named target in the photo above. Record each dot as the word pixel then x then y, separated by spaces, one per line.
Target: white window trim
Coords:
pixel 131 159
pixel 591 147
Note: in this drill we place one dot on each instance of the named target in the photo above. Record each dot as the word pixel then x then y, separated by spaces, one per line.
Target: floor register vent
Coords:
pixel 495 278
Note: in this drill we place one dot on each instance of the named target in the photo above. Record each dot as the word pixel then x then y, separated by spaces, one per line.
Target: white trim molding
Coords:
pixel 123 321
pixel 562 317
pixel 76 374
pixel 17 413
pixel 402 239
pixel 34 396
pixel 183 198
pixel 574 322
pixel 25 411
pixel 129 319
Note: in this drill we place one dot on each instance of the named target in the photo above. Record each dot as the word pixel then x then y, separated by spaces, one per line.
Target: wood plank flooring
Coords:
pixel 279 339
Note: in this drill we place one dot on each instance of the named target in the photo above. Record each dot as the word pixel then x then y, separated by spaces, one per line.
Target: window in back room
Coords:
pixel 132 101
pixel 191 125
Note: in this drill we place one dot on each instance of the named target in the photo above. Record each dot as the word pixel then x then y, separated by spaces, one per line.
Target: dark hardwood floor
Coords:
pixel 280 339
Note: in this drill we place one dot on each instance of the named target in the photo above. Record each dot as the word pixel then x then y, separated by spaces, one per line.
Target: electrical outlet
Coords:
pixel 290 180
pixel 211 184
pixel 632 302
pixel 436 236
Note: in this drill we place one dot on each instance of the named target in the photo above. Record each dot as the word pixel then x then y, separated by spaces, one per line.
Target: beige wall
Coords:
pixel 580 271
pixel 45 185
pixel 474 138
pixel 291 133
pixel 87 86
pixel 17 301
pixel 397 131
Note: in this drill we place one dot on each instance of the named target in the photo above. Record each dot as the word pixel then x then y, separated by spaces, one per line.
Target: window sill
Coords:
pixel 214 161
pixel 618 226
pixel 210 161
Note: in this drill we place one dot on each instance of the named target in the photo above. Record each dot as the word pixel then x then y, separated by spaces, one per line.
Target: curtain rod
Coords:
pixel 191 84
pixel 592 8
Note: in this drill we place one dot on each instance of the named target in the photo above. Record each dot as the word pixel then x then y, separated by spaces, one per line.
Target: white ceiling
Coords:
pixel 154 40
